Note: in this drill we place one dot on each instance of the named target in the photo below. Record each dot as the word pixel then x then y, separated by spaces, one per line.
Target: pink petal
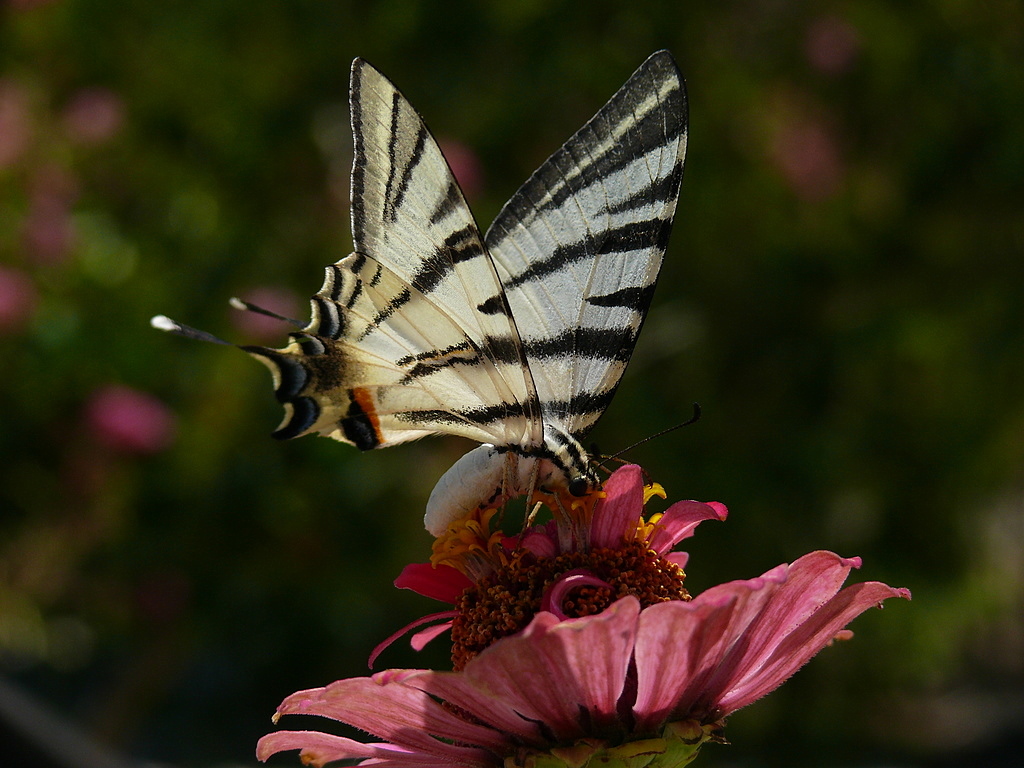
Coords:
pixel 738 641
pixel 710 654
pixel 492 709
pixel 321 748
pixel 566 583
pixel 442 583
pixel 385 707
pixel 550 672
pixel 812 625
pixel 420 639
pixel 386 642
pixel 790 595
pixel 681 519
pixel 540 540
pixel 317 748
pixel 679 558
pixel 617 514
pixel 805 586
pixel 673 644
pixel 752 599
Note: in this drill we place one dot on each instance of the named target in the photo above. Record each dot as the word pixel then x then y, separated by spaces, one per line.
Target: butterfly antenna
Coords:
pixel 248 306
pixel 692 420
pixel 164 323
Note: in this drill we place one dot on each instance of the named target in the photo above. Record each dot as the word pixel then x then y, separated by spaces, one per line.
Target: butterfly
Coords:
pixel 516 339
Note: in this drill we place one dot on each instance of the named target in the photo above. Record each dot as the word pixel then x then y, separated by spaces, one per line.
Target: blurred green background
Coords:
pixel 843 294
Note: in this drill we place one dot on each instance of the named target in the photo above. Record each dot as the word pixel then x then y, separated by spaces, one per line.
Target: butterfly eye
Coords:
pixel 579 487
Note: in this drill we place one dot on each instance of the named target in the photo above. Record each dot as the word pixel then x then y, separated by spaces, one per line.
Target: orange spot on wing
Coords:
pixel 364 400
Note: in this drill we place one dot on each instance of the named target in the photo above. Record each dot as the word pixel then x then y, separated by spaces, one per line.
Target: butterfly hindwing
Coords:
pixel 373 382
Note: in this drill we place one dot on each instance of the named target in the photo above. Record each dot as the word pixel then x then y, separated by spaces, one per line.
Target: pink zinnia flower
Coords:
pixel 644 673
pixel 595 550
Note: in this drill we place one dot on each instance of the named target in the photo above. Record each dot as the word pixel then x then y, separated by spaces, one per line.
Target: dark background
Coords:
pixel 842 294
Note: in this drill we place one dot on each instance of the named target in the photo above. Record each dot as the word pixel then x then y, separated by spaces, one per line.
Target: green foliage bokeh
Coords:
pixel 842 295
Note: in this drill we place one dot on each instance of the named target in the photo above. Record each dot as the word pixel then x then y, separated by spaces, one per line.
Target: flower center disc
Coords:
pixel 504 603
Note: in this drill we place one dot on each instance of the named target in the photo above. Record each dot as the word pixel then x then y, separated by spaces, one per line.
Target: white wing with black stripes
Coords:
pixel 579 246
pixel 517 340
pixel 406 338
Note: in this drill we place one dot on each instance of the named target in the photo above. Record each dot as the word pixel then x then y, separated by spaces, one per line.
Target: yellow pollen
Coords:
pixel 468 536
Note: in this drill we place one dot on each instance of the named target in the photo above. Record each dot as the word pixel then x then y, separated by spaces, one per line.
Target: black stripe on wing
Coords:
pixel 582 404
pixel 462 245
pixel 393 197
pixel 358 181
pixel 451 201
pixel 490 414
pixel 494 349
pixel 496 305
pixel 663 190
pixel 629 237
pixel 594 343
pixel 563 175
pixel 637 299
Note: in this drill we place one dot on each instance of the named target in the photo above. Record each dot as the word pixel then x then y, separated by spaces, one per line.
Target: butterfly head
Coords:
pixel 571 467
pixel 581 486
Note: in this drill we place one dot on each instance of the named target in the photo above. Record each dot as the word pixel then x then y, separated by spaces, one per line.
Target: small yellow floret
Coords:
pixel 465 537
pixel 652 490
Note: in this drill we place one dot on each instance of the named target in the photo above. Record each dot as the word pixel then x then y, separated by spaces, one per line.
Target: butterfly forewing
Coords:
pixel 409 213
pixel 579 246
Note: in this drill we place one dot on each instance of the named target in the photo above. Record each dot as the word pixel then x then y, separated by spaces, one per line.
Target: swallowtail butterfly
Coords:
pixel 517 338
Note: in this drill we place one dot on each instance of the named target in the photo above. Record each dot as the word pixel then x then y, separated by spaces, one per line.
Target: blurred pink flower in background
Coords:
pixel 18 299
pixel 804 149
pixel 268 329
pixel 129 421
pixel 465 165
pixel 831 45
pixel 15 121
pixel 47 231
pixel 93 115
